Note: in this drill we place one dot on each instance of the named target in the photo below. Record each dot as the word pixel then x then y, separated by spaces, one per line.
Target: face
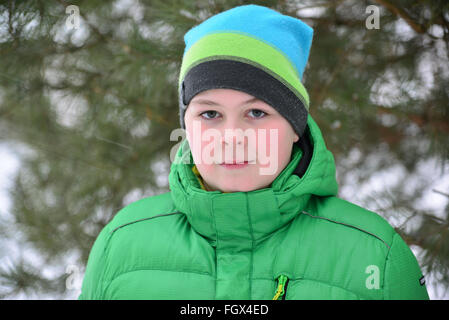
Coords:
pixel 226 126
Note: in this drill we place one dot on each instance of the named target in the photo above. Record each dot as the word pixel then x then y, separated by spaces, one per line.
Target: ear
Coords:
pixel 296 138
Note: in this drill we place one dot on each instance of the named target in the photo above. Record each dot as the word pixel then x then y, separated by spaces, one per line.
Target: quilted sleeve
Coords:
pixel 403 277
pixel 92 288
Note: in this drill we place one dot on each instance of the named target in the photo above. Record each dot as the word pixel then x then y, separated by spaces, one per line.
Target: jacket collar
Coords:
pixel 237 219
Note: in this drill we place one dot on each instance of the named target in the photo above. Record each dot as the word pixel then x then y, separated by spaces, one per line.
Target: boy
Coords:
pixel 265 224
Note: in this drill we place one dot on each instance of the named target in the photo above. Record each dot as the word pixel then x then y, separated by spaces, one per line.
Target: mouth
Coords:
pixel 235 165
pixel 235 162
pixel 231 163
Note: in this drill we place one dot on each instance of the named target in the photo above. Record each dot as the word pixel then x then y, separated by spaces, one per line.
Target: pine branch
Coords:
pixel 404 15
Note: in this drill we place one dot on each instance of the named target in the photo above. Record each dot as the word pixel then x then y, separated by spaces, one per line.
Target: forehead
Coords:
pixel 226 97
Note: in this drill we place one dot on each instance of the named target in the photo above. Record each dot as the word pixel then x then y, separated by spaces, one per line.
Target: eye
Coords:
pixel 208 112
pixel 258 112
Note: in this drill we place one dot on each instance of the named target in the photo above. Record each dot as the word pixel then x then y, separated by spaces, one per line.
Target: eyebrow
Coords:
pixel 213 103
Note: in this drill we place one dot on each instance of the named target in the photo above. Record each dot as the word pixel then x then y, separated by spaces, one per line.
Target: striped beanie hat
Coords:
pixel 253 49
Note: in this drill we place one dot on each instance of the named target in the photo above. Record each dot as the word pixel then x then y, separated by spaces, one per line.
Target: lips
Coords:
pixel 235 162
pixel 239 165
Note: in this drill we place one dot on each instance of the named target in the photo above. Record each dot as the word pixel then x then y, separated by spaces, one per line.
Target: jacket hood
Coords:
pixel 238 218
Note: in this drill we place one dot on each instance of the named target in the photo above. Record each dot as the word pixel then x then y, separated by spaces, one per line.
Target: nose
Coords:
pixel 233 136
pixel 233 131
pixel 235 143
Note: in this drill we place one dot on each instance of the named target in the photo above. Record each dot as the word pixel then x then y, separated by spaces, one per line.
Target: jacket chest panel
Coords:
pixel 161 285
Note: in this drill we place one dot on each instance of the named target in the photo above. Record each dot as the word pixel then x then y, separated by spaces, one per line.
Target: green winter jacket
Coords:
pixel 293 240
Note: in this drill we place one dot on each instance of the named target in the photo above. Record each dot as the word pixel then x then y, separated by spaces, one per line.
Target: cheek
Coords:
pixel 194 143
pixel 276 141
pixel 202 150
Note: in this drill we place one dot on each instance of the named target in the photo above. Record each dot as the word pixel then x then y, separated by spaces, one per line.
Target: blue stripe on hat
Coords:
pixel 289 35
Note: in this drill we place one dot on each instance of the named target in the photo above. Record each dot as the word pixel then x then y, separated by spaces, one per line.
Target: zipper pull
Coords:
pixel 282 281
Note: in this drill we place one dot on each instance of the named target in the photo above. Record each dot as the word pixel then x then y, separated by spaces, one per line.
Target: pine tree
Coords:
pixel 89 109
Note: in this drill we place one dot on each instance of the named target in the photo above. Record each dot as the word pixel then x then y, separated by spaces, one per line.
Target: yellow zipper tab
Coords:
pixel 282 280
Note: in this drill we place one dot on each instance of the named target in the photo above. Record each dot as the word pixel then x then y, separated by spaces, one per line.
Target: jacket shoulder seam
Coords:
pixel 348 225
pixel 143 219
pixel 387 258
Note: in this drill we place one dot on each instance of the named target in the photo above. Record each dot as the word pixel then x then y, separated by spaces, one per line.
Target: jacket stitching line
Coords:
pixel 102 281
pixel 297 243
pixel 214 222
pixel 385 292
pixel 330 284
pixel 154 269
pixel 144 219
pixel 252 247
pixel 168 270
pixel 348 225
